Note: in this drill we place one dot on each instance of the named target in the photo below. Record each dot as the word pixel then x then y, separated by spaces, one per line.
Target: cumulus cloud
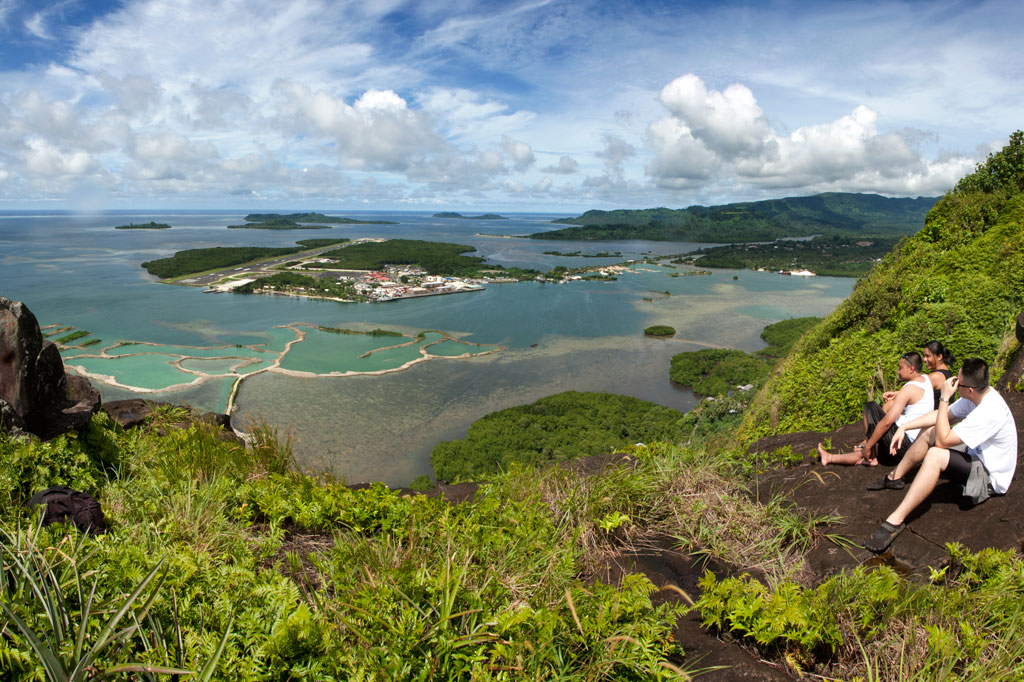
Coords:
pixel 566 166
pixel 729 123
pixel 45 159
pixel 520 153
pixel 377 132
pixel 712 135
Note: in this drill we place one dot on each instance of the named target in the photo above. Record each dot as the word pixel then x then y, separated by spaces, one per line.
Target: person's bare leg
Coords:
pixel 935 462
pixel 838 457
pixel 915 454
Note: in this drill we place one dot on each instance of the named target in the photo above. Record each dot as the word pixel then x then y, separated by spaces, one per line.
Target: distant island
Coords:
pixel 833 256
pixel 833 213
pixel 144 226
pixel 312 218
pixel 485 216
pixel 580 254
pixel 278 224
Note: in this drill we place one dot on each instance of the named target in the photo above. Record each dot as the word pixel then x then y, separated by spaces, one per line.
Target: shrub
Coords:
pixel 660 330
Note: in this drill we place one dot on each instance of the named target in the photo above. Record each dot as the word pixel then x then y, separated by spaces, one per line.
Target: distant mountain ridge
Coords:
pixel 831 213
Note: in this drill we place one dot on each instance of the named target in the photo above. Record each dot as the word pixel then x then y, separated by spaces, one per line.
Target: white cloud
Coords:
pixel 520 153
pixel 721 135
pixel 566 166
pixel 45 159
pixel 680 160
pixel 730 123
pixel 36 25
pixel 377 132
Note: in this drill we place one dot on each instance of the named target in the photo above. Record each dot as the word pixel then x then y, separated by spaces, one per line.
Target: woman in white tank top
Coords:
pixel 914 399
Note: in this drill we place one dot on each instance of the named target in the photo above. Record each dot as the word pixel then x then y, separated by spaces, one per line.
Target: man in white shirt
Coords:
pixel 979 452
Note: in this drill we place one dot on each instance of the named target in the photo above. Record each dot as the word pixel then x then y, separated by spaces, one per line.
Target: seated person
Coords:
pixel 979 452
pixel 937 360
pixel 911 401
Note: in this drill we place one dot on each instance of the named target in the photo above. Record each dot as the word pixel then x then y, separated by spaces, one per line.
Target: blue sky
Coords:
pixel 514 106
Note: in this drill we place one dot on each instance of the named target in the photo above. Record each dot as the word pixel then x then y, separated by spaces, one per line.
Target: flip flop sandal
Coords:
pixel 883 537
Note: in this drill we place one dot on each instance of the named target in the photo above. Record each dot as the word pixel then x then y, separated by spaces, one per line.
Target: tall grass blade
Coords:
pixel 211 665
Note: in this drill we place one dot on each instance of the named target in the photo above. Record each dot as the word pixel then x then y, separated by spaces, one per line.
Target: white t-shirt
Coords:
pixel 924 405
pixel 990 434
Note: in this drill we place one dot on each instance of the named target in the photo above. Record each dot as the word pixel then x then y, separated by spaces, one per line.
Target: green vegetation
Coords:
pixel 660 330
pixel 311 218
pixel 144 226
pixel 579 254
pixel 781 336
pixel 222 562
pixel 485 216
pixel 374 332
pixel 436 258
pixel 278 224
pixel 960 280
pixel 68 338
pixel 317 243
pixel 833 256
pixel 90 342
pixel 191 261
pixel 716 371
pixel 553 429
pixel 872 624
pixel 293 282
pixel 851 215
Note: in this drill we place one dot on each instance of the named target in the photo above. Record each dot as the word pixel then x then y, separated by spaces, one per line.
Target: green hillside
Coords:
pixel 960 280
pixel 833 213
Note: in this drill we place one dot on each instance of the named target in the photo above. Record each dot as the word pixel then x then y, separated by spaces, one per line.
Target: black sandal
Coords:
pixel 883 537
pixel 888 484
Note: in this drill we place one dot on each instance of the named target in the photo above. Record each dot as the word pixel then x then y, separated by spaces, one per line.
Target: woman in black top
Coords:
pixel 937 359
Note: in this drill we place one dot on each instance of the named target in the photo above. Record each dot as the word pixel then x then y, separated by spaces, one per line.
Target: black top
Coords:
pixel 938 392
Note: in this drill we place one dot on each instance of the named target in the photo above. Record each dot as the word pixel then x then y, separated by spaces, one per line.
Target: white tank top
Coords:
pixel 922 407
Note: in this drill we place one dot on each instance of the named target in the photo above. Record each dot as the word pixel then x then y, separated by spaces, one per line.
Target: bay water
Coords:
pixel 519 342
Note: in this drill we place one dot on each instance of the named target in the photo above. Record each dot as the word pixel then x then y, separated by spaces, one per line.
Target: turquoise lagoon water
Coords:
pixel 77 271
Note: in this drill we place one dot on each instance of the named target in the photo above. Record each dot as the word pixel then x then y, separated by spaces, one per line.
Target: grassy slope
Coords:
pixel 302 578
pixel 959 280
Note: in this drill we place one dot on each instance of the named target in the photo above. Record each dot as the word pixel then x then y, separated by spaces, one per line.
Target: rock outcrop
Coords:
pixel 36 395
pixel 136 412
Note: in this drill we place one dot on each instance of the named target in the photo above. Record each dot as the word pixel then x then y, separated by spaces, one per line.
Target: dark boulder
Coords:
pixel 132 412
pixel 135 412
pixel 36 395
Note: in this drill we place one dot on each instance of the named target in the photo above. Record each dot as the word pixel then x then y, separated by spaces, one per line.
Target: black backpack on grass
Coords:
pixel 64 505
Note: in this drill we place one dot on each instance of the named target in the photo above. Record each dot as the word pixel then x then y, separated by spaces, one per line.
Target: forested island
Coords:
pixel 485 216
pixel 834 213
pixel 312 218
pixel 436 258
pixel 580 254
pixel 278 224
pixel 833 256
pixel 144 226
pixel 192 261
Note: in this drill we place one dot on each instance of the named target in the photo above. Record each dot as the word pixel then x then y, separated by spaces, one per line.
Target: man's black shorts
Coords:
pixel 873 413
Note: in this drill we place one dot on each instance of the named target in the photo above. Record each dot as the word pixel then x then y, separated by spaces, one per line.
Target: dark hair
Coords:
pixel 975 373
pixel 913 359
pixel 938 349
